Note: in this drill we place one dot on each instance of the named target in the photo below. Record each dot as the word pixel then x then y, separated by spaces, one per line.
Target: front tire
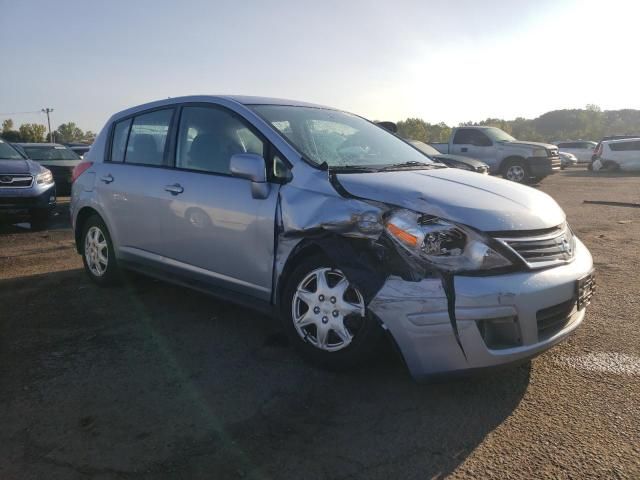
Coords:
pixel 516 171
pixel 325 316
pixel 98 255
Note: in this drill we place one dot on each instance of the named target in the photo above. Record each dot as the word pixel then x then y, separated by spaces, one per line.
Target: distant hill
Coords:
pixel 588 124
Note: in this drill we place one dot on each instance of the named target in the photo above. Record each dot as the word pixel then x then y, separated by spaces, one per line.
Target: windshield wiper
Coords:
pixel 411 164
pixel 354 168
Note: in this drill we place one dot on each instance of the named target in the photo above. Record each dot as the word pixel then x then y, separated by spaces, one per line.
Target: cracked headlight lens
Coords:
pixel 446 245
pixel 44 178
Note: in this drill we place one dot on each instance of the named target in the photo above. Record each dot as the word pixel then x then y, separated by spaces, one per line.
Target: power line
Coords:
pixel 48 110
pixel 6 114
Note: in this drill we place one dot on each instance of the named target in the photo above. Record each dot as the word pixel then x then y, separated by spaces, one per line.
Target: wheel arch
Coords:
pixel 81 218
pixel 355 257
pixel 305 249
pixel 510 160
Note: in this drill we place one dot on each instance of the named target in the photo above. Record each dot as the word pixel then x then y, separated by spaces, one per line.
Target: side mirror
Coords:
pixel 251 167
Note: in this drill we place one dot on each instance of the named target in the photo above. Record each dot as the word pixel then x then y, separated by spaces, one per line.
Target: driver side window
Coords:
pixel 472 137
pixel 209 137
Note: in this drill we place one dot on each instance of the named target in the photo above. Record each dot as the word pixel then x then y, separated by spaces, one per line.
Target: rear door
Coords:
pixel 131 183
pixel 213 228
pixel 625 154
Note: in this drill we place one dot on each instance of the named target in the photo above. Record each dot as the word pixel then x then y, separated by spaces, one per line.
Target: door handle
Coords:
pixel 107 178
pixel 174 189
pixel 464 149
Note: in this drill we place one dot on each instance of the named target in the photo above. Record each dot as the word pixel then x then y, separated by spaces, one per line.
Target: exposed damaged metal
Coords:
pixel 368 263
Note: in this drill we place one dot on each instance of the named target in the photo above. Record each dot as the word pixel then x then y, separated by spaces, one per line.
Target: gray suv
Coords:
pixel 25 187
pixel 326 220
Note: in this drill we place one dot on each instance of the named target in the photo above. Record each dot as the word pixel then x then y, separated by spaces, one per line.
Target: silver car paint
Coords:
pixel 486 203
pixel 413 312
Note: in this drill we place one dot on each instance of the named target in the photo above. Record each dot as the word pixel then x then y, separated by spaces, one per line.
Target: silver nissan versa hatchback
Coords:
pixel 334 224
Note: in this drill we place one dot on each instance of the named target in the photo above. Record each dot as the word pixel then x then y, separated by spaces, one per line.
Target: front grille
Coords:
pixel 553 319
pixel 15 180
pixel 542 248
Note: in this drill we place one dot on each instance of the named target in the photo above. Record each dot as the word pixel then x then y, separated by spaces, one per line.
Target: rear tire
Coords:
pixel 327 322
pixel 516 171
pixel 98 256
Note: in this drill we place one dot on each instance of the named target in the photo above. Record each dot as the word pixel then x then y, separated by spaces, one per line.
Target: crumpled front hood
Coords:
pixel 485 203
pixel 15 166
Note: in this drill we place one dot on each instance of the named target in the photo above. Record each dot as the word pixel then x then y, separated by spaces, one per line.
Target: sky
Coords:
pixel 434 59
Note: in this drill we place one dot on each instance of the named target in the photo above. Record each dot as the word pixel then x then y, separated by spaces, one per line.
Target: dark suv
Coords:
pixel 25 186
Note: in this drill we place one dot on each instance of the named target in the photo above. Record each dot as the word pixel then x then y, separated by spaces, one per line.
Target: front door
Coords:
pixel 212 226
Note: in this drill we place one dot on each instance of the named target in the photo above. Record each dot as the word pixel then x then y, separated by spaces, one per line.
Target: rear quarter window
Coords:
pixel 119 140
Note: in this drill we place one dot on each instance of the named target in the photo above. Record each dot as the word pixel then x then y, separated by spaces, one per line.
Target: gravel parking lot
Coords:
pixel 154 381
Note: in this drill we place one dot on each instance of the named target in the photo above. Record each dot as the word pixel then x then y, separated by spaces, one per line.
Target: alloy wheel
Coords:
pixel 96 251
pixel 515 173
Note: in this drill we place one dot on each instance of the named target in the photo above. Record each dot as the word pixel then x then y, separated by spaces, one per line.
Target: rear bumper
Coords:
pixel 543 166
pixel 27 199
pixel 501 319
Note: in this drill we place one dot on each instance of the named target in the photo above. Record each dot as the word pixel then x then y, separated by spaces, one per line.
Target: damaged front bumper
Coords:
pixel 501 319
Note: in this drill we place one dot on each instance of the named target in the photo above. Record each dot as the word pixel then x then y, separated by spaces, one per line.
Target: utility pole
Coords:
pixel 48 110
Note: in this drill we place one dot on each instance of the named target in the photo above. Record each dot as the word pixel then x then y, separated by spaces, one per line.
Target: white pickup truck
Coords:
pixel 522 162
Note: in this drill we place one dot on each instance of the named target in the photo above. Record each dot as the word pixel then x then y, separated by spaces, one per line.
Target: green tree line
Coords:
pixel 35 132
pixel 590 123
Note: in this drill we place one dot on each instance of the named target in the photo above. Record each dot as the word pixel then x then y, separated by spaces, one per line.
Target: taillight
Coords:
pixel 598 151
pixel 79 170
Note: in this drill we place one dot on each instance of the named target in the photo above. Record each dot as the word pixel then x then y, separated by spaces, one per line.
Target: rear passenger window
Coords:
pixel 148 138
pixel 625 146
pixel 119 141
pixel 209 137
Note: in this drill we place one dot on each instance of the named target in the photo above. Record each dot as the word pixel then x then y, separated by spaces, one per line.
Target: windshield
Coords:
pixel 339 139
pixel 498 135
pixel 424 147
pixel 57 152
pixel 7 152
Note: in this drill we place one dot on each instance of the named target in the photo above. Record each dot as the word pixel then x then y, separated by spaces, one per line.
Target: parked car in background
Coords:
pixel 26 187
pixel 567 160
pixel 582 149
pixel 621 155
pixel 79 148
pixel 521 162
pixel 604 139
pixel 338 227
pixel 57 158
pixel 453 161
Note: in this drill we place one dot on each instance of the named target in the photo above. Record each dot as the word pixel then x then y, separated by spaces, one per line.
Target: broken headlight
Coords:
pixel 447 246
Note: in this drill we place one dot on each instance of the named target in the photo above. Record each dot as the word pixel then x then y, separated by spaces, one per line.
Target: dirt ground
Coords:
pixel 153 381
